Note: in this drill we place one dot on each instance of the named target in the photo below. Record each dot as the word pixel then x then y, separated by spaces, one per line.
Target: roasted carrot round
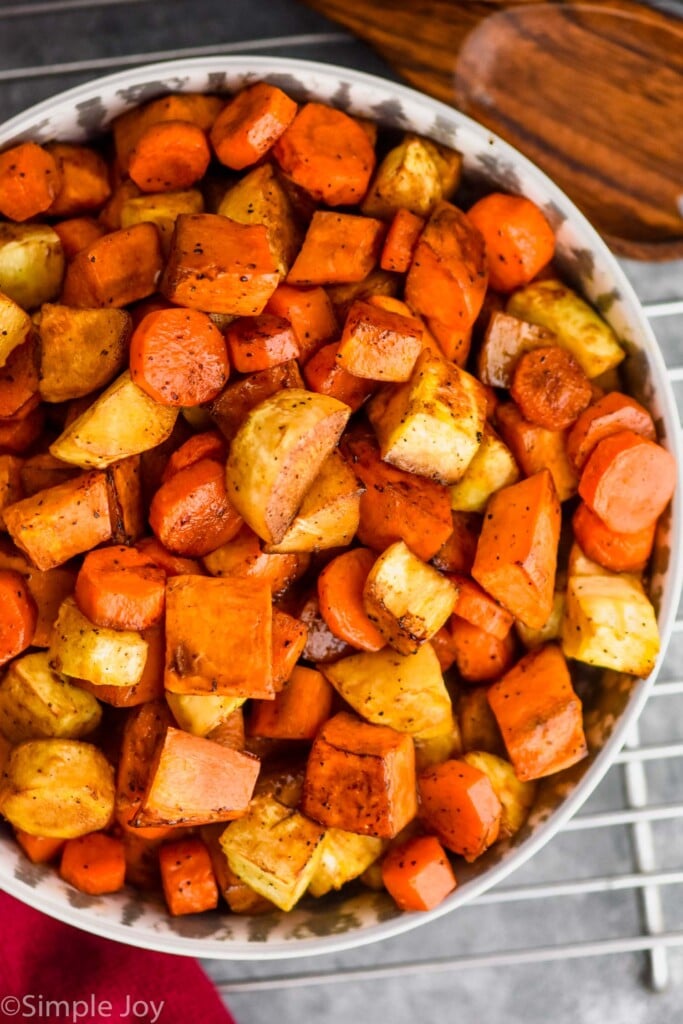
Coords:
pixel 618 552
pixel 340 592
pixel 550 387
pixel 19 615
pixel 94 863
pixel 29 181
pixel 250 123
pixel 608 415
pixel 178 357
pixel 417 874
pixel 191 513
pixel 169 155
pixel 207 445
pixel 628 481
pixel 519 239
pixel 119 588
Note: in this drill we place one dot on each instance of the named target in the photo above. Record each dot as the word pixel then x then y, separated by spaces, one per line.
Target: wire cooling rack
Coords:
pixel 51 45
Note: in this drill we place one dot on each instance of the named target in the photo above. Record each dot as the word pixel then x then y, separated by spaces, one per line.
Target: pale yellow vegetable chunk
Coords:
pixel 201 713
pixel 123 421
pixel 15 324
pixel 407 178
pixel 552 630
pixel 36 703
pixel 58 788
pixel 113 657
pixel 260 198
pixel 492 467
pixel 31 263
pixel 275 850
pixel 345 856
pixel 162 209
pixel 405 692
pixel 80 349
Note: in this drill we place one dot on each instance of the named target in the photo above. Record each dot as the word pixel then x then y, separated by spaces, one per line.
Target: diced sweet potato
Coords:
pixel 458 802
pixel 338 248
pixel 117 269
pixel 299 710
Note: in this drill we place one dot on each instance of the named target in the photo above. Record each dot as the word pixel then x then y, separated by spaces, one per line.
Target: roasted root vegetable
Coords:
pixel 284 438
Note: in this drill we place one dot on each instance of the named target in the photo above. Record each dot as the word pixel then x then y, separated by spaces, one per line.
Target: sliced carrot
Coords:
pixel 250 123
pixel 218 788
pixel 207 445
pixel 178 357
pixel 238 399
pixel 458 802
pixel 142 734
pixel 338 248
pixel 85 180
pixel 399 245
pixel 536 448
pixel 169 155
pixel 477 607
pixel 29 181
pixel 379 345
pixel 444 648
pixel 618 552
pixel 77 233
pixel 191 513
pixel 328 154
pixel 187 877
pixel 539 714
pixel 457 553
pixel 397 505
pixel 448 276
pixel 173 565
pixel 118 588
pixel 550 387
pixel 516 556
pixel 201 109
pixel 95 864
pixel 54 525
pixel 609 415
pixel 17 624
pixel 19 380
pixel 219 265
pixel 340 592
pixel 309 311
pixel 324 374
pixel 417 874
pixel 480 656
pixel 519 239
pixel 118 268
pixel 288 643
pixel 628 481
pixel 38 849
pixel 299 710
pixel 244 557
pixel 259 342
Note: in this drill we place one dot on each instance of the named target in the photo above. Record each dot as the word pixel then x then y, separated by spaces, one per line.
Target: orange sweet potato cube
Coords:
pixel 378 344
pixel 299 709
pixel 289 639
pixel 339 248
pixel 115 270
pixel 458 803
pixel 539 714
pixel 219 637
pixel 220 266
pixel 361 778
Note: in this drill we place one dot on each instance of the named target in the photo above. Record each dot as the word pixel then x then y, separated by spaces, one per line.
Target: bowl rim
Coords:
pixel 226 949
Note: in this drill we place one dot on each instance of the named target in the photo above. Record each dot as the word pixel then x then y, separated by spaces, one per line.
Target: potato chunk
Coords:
pixel 578 328
pixel 275 850
pixel 123 421
pixel 161 209
pixel 80 349
pixel 407 178
pixel 433 424
pixel 492 467
pixel 113 657
pixel 610 622
pixel 345 856
pixel 407 693
pixel 15 324
pixel 58 788
pixel 408 600
pixel 277 454
pixel 36 703
pixel 31 263
pixel 516 797
pixel 200 713
pixel 330 512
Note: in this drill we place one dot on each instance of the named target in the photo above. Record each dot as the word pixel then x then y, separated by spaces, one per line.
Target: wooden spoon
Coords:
pixel 591 92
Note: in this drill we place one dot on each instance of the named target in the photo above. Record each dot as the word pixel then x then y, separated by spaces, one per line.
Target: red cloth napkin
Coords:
pixel 95 980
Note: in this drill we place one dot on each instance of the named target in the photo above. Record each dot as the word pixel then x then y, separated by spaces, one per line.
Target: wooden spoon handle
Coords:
pixel 592 92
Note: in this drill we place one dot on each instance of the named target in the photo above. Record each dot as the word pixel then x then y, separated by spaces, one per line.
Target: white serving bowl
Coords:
pixel 356 915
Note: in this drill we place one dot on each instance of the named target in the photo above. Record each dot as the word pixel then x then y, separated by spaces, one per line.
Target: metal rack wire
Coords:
pixel 36 77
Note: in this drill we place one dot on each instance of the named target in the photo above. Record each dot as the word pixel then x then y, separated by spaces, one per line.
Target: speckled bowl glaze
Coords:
pixel 613 701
